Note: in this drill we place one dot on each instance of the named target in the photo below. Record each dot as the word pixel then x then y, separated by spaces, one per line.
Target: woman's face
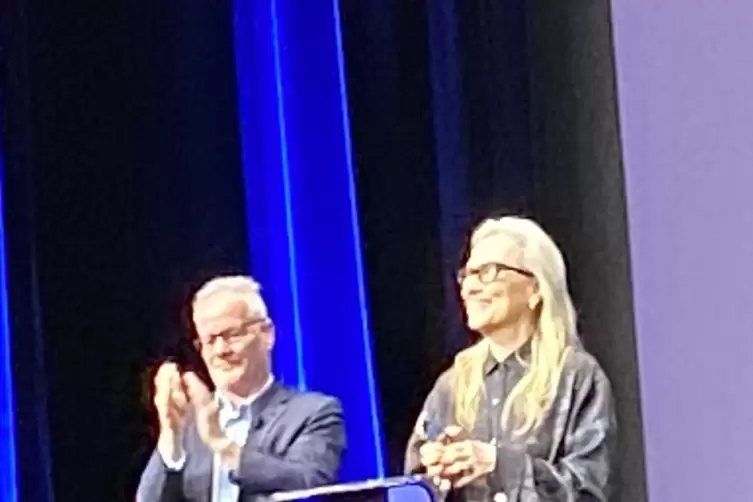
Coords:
pixel 495 287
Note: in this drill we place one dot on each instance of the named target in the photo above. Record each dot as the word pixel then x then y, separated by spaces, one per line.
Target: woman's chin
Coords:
pixel 477 323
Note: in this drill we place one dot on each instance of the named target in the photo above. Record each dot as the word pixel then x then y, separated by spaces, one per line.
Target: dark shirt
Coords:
pixel 566 459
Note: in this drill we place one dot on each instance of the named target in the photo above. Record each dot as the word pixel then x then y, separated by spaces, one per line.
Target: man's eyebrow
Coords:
pixel 221 332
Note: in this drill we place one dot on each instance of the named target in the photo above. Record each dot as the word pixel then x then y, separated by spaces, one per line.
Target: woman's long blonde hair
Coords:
pixel 529 400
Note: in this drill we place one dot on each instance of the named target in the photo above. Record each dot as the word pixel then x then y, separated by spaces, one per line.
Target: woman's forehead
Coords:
pixel 499 247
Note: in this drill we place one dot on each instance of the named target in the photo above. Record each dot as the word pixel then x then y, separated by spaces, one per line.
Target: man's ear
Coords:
pixel 270 338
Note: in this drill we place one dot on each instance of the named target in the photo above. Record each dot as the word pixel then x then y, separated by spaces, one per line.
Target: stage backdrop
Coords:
pixel 130 160
pixel 685 84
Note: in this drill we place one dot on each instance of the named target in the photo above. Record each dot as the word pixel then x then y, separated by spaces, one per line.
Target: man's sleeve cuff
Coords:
pixel 173 465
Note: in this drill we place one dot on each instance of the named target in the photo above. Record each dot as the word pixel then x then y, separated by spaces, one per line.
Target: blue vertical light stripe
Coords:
pixel 261 115
pixel 365 333
pixel 301 209
pixel 8 481
pixel 288 202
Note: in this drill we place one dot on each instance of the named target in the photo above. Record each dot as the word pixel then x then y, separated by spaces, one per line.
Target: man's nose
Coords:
pixel 221 346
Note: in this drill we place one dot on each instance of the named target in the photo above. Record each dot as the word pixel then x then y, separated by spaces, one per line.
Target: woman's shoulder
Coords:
pixel 584 367
pixel 445 381
pixel 438 404
pixel 579 358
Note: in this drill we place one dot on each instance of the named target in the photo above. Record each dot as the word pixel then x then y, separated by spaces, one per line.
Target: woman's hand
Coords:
pixel 430 455
pixel 467 460
pixel 456 460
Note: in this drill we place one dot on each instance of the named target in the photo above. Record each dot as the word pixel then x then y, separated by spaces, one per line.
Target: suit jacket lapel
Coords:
pixel 264 412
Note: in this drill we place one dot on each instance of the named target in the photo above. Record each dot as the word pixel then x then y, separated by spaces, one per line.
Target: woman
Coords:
pixel 525 414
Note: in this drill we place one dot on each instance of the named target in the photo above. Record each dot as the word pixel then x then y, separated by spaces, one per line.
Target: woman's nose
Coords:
pixel 470 286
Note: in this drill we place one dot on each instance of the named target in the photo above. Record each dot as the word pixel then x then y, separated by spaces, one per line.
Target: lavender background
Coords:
pixel 685 86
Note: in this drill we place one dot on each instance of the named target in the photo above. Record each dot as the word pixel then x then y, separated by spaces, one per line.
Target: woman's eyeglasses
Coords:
pixel 488 272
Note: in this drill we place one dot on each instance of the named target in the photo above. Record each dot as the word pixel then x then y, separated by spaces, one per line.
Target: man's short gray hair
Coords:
pixel 244 287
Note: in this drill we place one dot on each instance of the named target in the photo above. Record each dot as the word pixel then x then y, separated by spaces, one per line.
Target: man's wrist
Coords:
pixel 169 445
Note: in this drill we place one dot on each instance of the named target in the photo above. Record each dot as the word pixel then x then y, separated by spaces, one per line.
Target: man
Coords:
pixel 251 436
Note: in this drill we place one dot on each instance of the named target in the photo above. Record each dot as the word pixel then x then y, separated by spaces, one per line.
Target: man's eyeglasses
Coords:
pixel 232 336
pixel 489 272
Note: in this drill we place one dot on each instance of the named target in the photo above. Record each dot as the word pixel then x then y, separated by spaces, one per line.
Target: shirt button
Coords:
pixel 500 497
pixel 495 401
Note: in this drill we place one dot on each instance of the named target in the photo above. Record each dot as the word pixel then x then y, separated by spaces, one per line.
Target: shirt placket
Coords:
pixel 230 422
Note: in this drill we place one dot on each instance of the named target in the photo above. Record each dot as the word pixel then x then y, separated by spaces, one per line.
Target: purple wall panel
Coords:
pixel 685 86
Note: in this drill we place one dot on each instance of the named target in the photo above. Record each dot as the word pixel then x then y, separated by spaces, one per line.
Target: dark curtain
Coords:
pixel 465 108
pixel 580 197
pixel 387 77
pixel 27 345
pixel 124 192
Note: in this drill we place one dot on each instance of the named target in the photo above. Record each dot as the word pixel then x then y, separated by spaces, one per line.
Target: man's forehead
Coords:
pixel 218 307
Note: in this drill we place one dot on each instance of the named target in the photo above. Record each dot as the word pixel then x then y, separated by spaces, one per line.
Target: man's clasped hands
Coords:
pixel 174 394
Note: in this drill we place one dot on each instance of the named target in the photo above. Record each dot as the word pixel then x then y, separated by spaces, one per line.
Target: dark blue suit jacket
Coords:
pixel 295 442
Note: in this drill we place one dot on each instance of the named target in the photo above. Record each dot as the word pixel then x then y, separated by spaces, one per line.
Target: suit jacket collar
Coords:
pixel 224 400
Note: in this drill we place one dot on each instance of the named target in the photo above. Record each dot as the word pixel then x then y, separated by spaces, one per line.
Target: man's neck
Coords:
pixel 246 392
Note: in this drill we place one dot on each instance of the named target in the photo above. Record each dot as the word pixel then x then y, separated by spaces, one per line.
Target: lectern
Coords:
pixel 394 489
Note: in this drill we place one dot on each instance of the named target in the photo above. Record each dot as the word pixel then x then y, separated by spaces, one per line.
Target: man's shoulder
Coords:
pixel 313 401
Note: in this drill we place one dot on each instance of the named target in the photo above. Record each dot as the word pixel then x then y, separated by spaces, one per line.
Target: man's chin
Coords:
pixel 227 378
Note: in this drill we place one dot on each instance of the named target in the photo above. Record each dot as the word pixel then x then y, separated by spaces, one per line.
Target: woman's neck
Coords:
pixel 505 340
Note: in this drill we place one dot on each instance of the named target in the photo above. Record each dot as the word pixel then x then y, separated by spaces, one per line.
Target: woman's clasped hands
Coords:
pixel 453 460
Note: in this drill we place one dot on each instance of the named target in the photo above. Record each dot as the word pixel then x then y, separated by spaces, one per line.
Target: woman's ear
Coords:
pixel 534 301
pixel 534 298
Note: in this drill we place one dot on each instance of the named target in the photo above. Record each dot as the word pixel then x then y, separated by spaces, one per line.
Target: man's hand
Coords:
pixel 207 410
pixel 208 421
pixel 171 403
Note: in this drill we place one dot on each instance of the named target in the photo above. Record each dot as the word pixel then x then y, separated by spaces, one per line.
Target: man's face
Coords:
pixel 235 344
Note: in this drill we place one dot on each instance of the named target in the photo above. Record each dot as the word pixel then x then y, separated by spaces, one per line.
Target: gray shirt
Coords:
pixel 566 459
